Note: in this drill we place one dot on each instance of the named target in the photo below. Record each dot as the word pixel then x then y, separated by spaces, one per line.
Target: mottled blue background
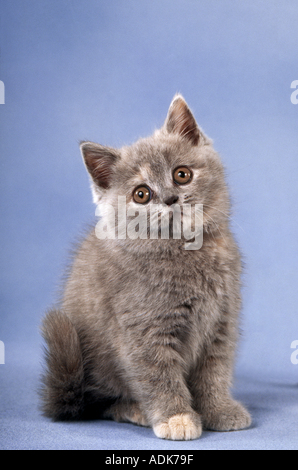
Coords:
pixel 107 71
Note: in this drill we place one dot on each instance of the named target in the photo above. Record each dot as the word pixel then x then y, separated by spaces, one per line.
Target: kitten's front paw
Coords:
pixel 230 416
pixel 184 426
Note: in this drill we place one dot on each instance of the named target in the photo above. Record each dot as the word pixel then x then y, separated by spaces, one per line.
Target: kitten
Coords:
pixel 146 330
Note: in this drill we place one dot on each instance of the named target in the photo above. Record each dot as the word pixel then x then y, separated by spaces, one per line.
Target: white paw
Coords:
pixel 181 427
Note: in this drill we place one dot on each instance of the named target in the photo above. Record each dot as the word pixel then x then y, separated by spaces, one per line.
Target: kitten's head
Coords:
pixel 176 165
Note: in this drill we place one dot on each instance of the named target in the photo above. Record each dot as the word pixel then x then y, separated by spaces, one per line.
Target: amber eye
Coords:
pixel 182 175
pixel 142 195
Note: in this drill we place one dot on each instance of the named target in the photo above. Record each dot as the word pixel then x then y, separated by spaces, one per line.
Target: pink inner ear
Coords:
pixel 100 163
pixel 181 121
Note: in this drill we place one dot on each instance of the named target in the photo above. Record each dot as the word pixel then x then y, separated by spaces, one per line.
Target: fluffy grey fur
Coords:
pixel 146 331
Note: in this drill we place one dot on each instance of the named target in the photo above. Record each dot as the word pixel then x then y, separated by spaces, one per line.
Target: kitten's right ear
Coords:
pixel 100 162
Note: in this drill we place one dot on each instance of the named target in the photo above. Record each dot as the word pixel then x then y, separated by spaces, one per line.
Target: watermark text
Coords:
pixel 294 95
pixel 2 353
pixel 294 355
pixel 2 93
pixel 154 221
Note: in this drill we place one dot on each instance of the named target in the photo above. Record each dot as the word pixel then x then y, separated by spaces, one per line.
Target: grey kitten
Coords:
pixel 146 330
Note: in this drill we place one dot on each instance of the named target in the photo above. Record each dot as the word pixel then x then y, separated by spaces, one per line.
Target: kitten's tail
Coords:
pixel 62 393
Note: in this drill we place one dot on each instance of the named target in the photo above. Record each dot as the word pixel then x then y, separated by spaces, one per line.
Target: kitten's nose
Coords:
pixel 171 200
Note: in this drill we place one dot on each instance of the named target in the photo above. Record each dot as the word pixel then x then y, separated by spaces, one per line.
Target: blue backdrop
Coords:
pixel 107 71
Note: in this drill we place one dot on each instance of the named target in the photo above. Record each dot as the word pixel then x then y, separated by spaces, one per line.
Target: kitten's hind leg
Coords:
pixel 127 411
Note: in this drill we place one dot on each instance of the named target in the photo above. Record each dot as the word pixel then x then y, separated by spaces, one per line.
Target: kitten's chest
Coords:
pixel 172 283
pixel 176 303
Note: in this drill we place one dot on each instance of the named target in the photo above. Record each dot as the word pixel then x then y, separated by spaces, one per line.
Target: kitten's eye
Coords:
pixel 182 175
pixel 142 195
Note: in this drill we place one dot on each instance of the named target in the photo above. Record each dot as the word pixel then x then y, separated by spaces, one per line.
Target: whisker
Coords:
pixel 227 215
pixel 210 218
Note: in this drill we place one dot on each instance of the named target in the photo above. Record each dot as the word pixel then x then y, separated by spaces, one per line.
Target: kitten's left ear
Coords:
pixel 180 120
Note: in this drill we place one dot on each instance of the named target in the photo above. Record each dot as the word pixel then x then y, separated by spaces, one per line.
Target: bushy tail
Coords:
pixel 62 393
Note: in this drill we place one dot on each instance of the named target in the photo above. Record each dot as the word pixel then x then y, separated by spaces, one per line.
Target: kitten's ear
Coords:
pixel 100 162
pixel 181 121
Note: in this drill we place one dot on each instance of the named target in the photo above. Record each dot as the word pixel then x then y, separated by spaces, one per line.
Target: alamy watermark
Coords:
pixel 294 95
pixel 2 93
pixel 2 353
pixel 294 355
pixel 155 222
